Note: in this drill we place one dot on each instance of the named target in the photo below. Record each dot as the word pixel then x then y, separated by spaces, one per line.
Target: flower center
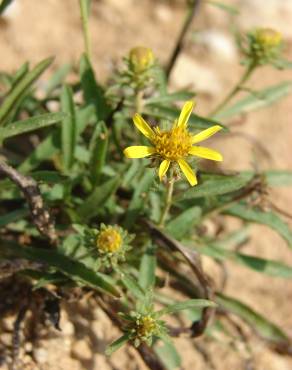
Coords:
pixel 172 144
pixel 109 240
pixel 267 37
pixel 146 325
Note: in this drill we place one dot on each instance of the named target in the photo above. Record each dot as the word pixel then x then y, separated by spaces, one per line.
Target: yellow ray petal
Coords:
pixel 207 153
pixel 203 135
pixel 138 151
pixel 185 114
pixel 164 165
pixel 143 126
pixel 188 172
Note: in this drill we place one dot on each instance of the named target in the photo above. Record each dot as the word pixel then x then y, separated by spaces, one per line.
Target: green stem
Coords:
pixel 246 75
pixel 193 7
pixel 139 100
pixel 168 201
pixel 84 9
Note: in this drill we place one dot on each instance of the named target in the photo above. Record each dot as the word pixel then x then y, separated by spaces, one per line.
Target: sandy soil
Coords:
pixel 36 29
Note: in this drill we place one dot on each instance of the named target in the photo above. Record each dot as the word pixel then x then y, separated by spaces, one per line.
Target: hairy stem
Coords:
pixel 168 202
pixel 84 9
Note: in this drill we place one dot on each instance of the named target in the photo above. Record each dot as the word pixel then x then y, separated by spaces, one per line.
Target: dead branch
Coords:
pixel 29 187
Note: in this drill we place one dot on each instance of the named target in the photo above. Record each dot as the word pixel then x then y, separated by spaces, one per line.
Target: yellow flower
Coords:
pixel 174 145
pixel 268 38
pixel 141 58
pixel 145 326
pixel 109 240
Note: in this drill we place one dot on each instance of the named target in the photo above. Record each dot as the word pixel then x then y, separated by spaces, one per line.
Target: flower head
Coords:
pixel 109 240
pixel 175 144
pixel 267 37
pixel 264 45
pixel 108 244
pixel 140 58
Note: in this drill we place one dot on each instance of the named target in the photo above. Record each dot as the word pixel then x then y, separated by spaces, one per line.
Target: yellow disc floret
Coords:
pixel 172 144
pixel 146 326
pixel 109 240
pixel 141 58
pixel 267 37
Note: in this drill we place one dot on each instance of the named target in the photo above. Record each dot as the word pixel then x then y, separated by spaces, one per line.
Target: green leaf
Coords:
pixel 257 100
pixel 13 216
pixel 257 322
pixel 270 219
pixel 191 303
pixel 74 269
pixel 278 177
pixel 131 284
pixel 30 124
pixel 147 268
pixel 170 98
pixel 98 152
pixel 69 130
pixel 283 64
pixel 20 73
pixel 20 89
pixel 92 92
pixel 179 226
pixel 268 267
pixel 51 145
pixel 95 201
pixel 223 6
pixel 168 355
pixel 138 200
pixel 4 4
pixel 117 344
pixel 172 114
pixel 210 185
pixel 57 78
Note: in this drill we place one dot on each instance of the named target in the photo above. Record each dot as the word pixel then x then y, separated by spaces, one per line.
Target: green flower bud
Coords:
pixel 141 58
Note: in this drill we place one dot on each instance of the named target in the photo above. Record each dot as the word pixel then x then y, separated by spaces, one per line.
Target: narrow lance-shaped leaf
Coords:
pixel 257 100
pixel 57 78
pixel 168 355
pixel 211 185
pixel 51 145
pixel 184 223
pixel 268 267
pixel 270 219
pixel 138 200
pixel 92 205
pixel 68 128
pixel 98 152
pixel 117 344
pixel 30 124
pixel 92 91
pixel 266 329
pixel 147 268
pixel 131 284
pixel 170 98
pixel 21 88
pixel 74 269
pixel 191 303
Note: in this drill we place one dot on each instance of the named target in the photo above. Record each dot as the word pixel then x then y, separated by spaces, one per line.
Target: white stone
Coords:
pixel 220 44
pixel 190 73
pixel 41 355
pixel 163 13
